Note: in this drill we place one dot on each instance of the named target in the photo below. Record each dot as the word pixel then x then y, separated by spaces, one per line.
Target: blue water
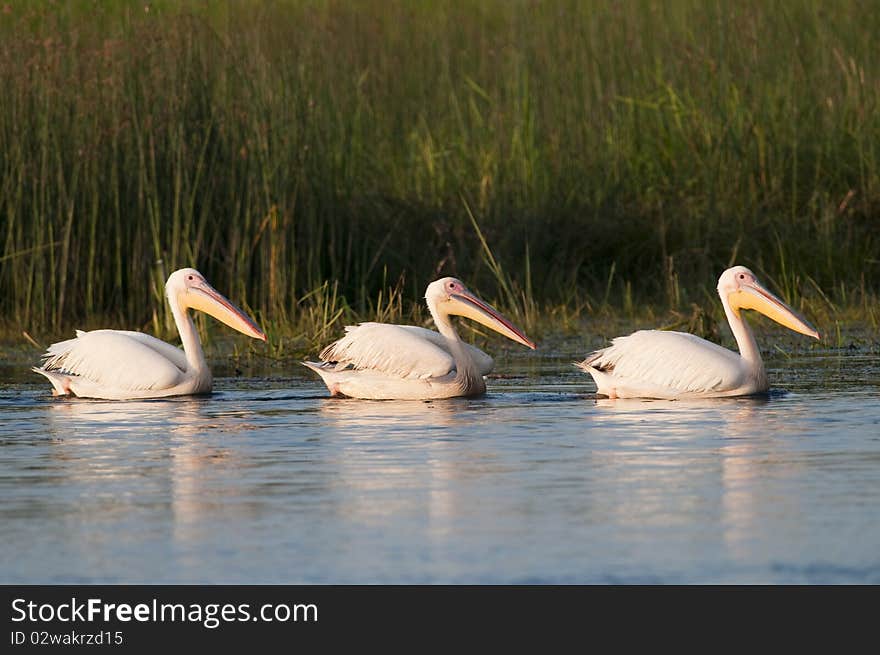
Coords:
pixel 271 481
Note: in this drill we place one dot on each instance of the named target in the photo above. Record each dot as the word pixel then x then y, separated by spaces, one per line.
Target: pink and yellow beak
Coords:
pixel 207 299
pixel 465 303
pixel 754 296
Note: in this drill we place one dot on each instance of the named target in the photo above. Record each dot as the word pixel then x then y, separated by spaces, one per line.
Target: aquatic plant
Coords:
pixel 310 156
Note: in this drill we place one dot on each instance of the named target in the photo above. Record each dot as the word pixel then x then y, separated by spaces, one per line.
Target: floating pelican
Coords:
pixel 122 365
pixel 670 365
pixel 379 361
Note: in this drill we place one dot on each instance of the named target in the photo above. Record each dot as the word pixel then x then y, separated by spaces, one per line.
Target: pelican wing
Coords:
pixel 118 359
pixel 172 353
pixel 484 362
pixel 403 351
pixel 669 360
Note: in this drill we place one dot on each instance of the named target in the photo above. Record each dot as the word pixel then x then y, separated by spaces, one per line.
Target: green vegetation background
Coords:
pixel 322 161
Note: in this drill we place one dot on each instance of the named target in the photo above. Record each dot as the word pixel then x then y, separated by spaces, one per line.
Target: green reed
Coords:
pixel 312 158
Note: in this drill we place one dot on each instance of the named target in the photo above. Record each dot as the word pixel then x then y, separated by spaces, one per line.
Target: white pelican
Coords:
pixel 671 365
pixel 378 361
pixel 122 365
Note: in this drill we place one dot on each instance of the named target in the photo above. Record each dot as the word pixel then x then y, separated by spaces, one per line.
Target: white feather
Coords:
pixel 119 359
pixel 660 364
pixel 173 353
pixel 403 351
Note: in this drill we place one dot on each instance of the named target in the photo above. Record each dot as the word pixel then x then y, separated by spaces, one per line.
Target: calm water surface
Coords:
pixel 271 481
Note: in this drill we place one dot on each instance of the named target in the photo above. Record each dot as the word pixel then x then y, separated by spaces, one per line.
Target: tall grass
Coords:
pixel 608 153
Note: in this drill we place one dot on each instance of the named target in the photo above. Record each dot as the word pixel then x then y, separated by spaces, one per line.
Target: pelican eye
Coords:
pixel 742 276
pixel 190 277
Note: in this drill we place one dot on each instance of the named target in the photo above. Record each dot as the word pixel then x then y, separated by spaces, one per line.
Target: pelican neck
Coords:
pixel 745 339
pixel 189 336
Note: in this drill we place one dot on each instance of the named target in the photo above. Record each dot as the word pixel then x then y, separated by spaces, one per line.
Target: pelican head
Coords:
pixel 189 289
pixel 741 289
pixel 449 296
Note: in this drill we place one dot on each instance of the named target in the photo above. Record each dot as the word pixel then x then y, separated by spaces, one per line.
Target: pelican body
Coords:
pixel 124 365
pixel 671 365
pixel 379 361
